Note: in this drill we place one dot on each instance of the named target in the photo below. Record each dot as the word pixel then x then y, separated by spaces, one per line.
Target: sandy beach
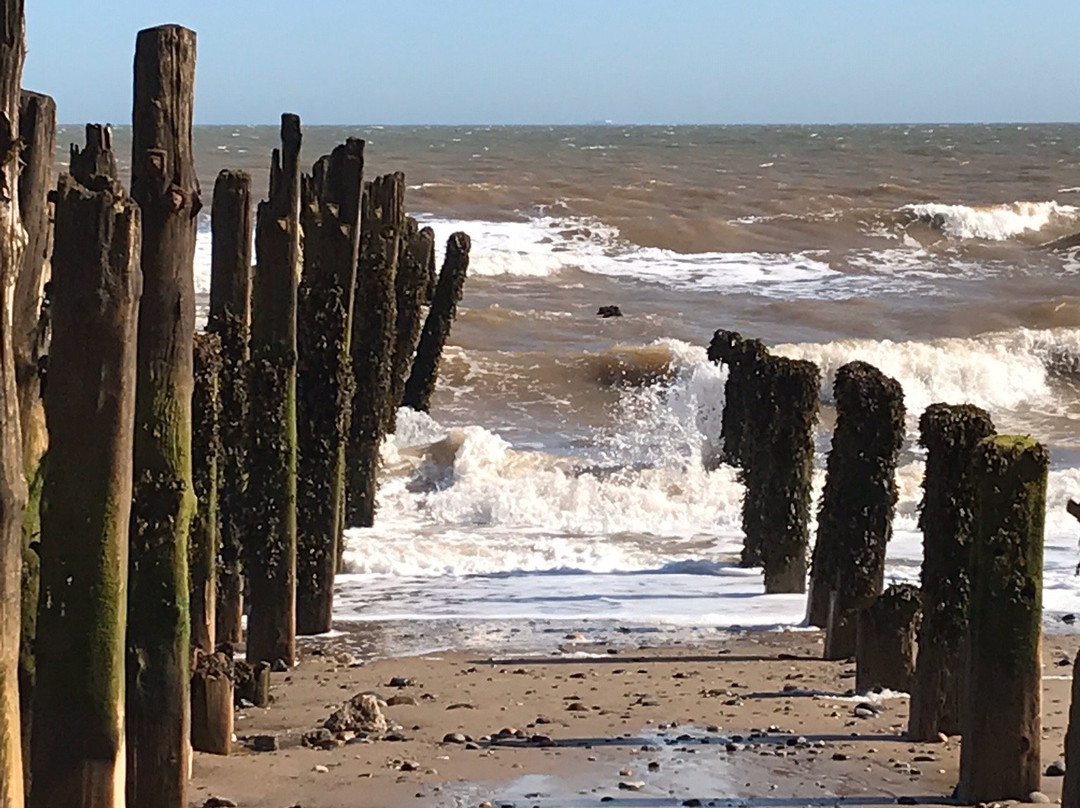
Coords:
pixel 753 718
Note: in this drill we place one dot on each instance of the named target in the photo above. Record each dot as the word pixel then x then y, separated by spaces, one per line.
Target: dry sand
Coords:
pixel 646 727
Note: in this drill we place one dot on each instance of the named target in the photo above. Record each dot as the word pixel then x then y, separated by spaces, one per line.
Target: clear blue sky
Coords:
pixel 561 61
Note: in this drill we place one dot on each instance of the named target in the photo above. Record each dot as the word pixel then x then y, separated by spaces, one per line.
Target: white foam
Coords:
pixel 992 222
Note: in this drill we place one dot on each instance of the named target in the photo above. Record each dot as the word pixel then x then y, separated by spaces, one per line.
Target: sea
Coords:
pixel 564 488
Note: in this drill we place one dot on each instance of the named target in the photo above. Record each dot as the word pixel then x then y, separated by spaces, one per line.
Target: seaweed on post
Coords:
pixel 1001 719
pixel 950 434
pixel 855 519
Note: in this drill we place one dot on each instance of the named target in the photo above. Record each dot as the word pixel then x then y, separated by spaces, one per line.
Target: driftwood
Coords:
pixel 164 184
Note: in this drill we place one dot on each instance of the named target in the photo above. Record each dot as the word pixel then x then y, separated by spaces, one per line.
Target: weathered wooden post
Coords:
pixel 164 184
pixel 425 369
pixel 741 356
pixel 950 434
pixel 855 520
pixel 271 543
pixel 885 652
pixel 373 335
pixel 417 254
pixel 12 471
pixel 1001 718
pixel 324 378
pixel 37 131
pixel 205 451
pixel 1070 789
pixel 778 450
pixel 230 318
pixel 78 738
pixel 212 704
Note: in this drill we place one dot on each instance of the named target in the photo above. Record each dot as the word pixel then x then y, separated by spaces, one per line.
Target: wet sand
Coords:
pixel 748 719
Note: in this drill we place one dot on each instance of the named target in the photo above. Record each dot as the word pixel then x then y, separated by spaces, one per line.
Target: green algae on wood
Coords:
pixel 205 451
pixel 1001 719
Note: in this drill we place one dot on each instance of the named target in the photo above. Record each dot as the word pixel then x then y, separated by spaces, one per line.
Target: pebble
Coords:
pixel 409 766
pixel 219 802
pixel 319 768
pixel 1038 797
pixel 399 701
pixel 1056 769
pixel 264 743
pixel 631 785
pixel 400 681
pixel 454 737
pixel 576 707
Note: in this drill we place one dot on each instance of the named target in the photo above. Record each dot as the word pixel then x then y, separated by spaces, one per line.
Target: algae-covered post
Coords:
pixel 448 291
pixel 324 376
pixel 373 335
pixel 778 450
pixel 855 520
pixel 1001 718
pixel 230 318
pixel 271 541
pixel 885 651
pixel 78 731
pixel 950 434
pixel 742 358
pixel 205 451
pixel 417 254
pixel 165 186
pixel 12 473
pixel 30 334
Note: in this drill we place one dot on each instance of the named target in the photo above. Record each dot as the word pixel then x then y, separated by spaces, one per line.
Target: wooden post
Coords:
pixel 271 543
pixel 885 653
pixel 778 450
pixel 230 318
pixel 252 682
pixel 950 435
pixel 425 369
pixel 742 357
pixel 37 131
pixel 164 184
pixel 373 335
pixel 324 377
pixel 212 704
pixel 417 254
pixel 855 520
pixel 12 471
pixel 78 733
pixel 1070 789
pixel 1002 712
pixel 205 453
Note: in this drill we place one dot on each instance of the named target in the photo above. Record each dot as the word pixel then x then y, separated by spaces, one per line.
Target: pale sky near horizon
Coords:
pixel 565 62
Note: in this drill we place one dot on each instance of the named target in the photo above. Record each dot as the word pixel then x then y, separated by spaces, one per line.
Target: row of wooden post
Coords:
pixel 977 670
pixel 147 471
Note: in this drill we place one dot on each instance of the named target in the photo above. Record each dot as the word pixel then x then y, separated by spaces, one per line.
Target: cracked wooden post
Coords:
pixel 212 704
pixel 1070 789
pixel 271 543
pixel 855 519
pixel 324 377
pixel 416 256
pixel 778 450
pixel 12 472
pixel 230 318
pixel 373 335
pixel 741 356
pixel 1001 719
pixel 78 733
pixel 205 454
pixel 885 651
pixel 444 303
pixel 37 131
pixel 950 435
pixel 164 184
